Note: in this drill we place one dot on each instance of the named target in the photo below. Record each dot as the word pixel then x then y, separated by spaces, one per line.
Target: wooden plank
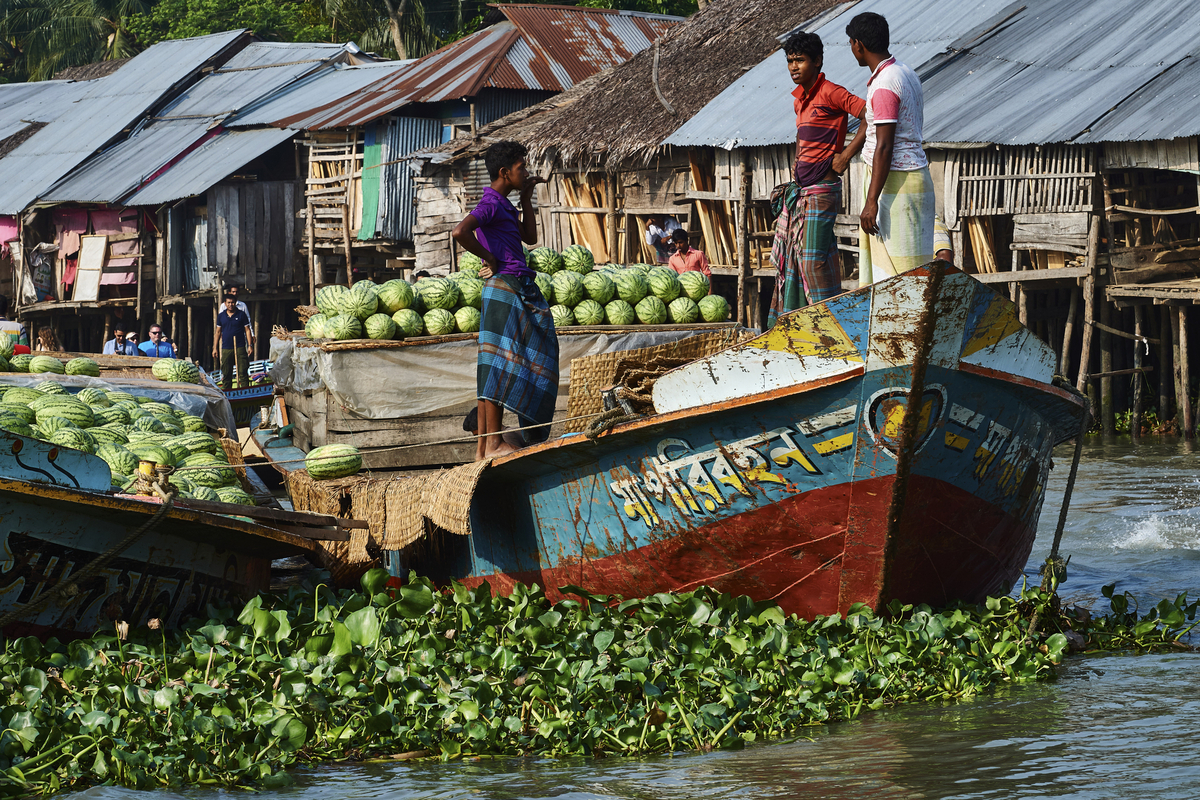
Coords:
pixel 1033 275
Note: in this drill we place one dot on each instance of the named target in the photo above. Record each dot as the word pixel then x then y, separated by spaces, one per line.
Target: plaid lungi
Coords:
pixel 905 221
pixel 805 254
pixel 518 352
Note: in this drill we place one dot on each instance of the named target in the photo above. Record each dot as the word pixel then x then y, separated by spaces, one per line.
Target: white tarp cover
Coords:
pixel 202 401
pixel 407 381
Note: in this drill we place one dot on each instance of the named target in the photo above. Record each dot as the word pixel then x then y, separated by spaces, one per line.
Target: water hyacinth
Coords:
pixel 316 676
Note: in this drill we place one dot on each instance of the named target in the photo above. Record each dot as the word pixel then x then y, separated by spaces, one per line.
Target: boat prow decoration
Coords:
pixel 769 468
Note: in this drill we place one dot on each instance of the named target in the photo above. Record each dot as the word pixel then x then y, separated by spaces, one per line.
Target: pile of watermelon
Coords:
pixel 578 291
pixel 175 370
pixel 123 429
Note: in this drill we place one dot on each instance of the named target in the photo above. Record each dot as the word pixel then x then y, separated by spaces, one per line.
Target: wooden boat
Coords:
pixel 60 515
pixel 782 468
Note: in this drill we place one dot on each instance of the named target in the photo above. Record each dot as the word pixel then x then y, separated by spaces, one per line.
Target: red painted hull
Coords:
pixel 820 552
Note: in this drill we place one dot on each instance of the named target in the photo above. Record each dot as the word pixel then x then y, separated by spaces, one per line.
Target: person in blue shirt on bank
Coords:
pixel 235 340
pixel 158 345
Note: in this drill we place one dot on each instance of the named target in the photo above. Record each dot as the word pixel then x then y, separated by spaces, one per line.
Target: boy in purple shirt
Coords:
pixel 518 348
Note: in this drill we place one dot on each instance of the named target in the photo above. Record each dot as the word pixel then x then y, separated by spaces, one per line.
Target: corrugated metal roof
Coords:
pixel 213 161
pixel 110 105
pixel 22 104
pixel 254 73
pixel 756 111
pixel 536 47
pixel 313 90
pixel 1033 72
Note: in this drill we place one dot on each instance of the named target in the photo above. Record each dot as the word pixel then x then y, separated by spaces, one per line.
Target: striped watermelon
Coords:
pixel 199 460
pixel 152 452
pixel 158 409
pixel 439 322
pixel 149 424
pixel 213 477
pixel 694 284
pixel 94 398
pixel 380 326
pixel 104 434
pixel 15 425
pixel 78 413
pixel 469 261
pixel 178 451
pixel 20 363
pixel 206 493
pixel 343 326
pixel 651 311
pixel 544 259
pixel 568 289
pixel 439 293
pixel 194 424
pixel 546 284
pixel 75 439
pixel 471 290
pixel 26 413
pixel 394 296
pixel 198 443
pixel 40 364
pixel 360 302
pixel 408 322
pixel 49 424
pixel 103 416
pixel 232 494
pixel 599 287
pixel 180 371
pixel 631 286
pixel 664 284
pixel 333 461
pixel 51 387
pixel 83 366
pixel 329 300
pixel 7 343
pixel 618 312
pixel 21 395
pixel 315 327
pixel 118 458
pixel 683 310
pixel 116 396
pixel 562 316
pixel 714 308
pixel 578 258
pixel 466 319
pixel 170 424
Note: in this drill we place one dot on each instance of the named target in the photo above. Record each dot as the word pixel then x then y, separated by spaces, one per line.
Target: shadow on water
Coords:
pixel 1111 727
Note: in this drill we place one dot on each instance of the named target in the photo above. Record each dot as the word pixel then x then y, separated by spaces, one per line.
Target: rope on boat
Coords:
pixel 68 587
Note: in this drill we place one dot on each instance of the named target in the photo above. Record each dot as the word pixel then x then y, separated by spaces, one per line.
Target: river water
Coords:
pixel 1108 727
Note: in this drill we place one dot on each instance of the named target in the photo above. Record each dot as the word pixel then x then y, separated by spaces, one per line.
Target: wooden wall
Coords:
pixel 253 234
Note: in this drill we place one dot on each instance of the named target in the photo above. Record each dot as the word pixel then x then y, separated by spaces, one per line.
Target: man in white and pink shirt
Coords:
pixel 898 209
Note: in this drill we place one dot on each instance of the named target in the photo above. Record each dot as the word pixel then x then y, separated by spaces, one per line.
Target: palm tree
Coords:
pixel 413 28
pixel 51 35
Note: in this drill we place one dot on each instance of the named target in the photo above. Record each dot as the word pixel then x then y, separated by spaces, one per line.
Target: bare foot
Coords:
pixel 502 449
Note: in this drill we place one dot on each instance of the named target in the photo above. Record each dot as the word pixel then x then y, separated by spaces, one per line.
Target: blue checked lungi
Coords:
pixel 518 352
pixel 805 250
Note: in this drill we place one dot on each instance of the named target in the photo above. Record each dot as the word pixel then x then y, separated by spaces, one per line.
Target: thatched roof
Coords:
pixel 616 117
pixel 89 72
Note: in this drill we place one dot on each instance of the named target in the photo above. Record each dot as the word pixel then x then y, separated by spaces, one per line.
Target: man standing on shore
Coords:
pixel 897 215
pixel 235 339
pixel 805 250
pixel 518 347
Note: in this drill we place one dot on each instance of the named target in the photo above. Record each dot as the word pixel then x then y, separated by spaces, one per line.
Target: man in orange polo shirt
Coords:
pixel 804 251
pixel 686 258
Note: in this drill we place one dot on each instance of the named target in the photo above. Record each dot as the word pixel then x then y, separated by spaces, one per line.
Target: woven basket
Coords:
pixel 637 370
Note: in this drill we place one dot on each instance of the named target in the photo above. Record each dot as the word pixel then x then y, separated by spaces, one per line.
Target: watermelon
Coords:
pixel 49 424
pixel 563 318
pixel 408 322
pixel 40 364
pixel 78 413
pixel 159 368
pixel 38 403
pixel 20 363
pixel 469 261
pixel 599 287
pixel 714 308
pixel 198 443
pixel 7 343
pixel 618 312
pixel 360 302
pixel 21 395
pixel 75 439
pixel 467 272
pixel 578 258
pixel 329 300
pixel 642 268
pixel 145 451
pixel 116 396
pixel 439 322
pixel 149 424
pixel 664 284
pixel 694 284
pixel 104 434
pixel 362 284
pixel 568 289
pixel 589 312
pixel 26 413
pixel 83 366
pixel 205 493
pixel 176 370
pixel 171 425
pixel 333 461
pixel 118 458
pixel 651 311
pixel 158 409
pixel 466 319
pixel 193 424
pixel 543 259
pixel 380 326
pixel 395 295
pixel 315 327
pixel 4 365
pixel 472 292
pixel 178 451
pixel 51 387
pixel 343 326
pixel 439 293
pixel 96 398
pixel 683 310
pixel 14 425
pixel 631 286
pixel 232 494
pixel 545 284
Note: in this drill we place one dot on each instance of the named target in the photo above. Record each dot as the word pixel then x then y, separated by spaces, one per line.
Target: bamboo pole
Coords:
pixel 1185 398
pixel 610 219
pixel 1089 304
pixel 1135 416
pixel 1064 367
pixel 743 238
pixel 1165 364
pixel 1107 416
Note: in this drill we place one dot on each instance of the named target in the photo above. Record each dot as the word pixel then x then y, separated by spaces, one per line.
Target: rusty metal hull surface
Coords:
pixel 784 493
